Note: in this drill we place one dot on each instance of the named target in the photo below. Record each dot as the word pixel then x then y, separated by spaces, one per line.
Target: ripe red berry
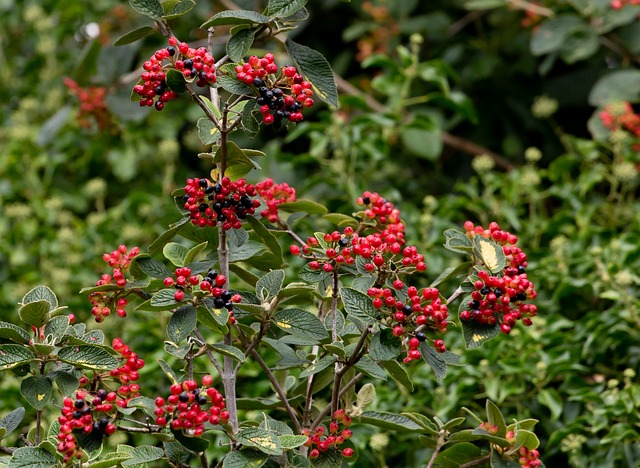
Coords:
pixel 347 452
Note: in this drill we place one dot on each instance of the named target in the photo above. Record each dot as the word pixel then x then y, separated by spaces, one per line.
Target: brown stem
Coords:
pixel 198 100
pixel 293 235
pixel 209 353
pixel 436 451
pixel 448 139
pixel 476 462
pixel 344 390
pixel 203 460
pixel 7 450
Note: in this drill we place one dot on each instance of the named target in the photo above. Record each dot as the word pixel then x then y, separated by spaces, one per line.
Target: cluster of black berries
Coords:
pixel 275 106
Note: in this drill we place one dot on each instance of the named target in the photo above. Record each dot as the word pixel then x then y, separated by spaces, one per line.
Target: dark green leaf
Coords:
pixel 37 391
pixel 266 236
pixel 35 313
pixel 250 123
pixel 398 373
pixel 340 219
pixel 552 33
pixel 369 367
pixel 144 454
pixel 302 323
pixel 88 357
pixel 13 332
pixel 67 382
pixel 175 253
pixel 55 328
pixel 292 441
pixel 152 267
pixel 269 285
pixel 384 345
pixel 526 439
pixel 240 43
pixel 245 458
pixel 133 36
pixel 620 85
pixel 318 366
pixel 265 441
pixel 246 251
pixel 150 8
pixel 284 8
pixel 238 164
pixel 422 421
pixel 207 131
pixel 195 444
pixel 159 243
pixel 550 398
pixel 175 81
pixel 12 355
pixel 32 457
pixel 313 276
pixel 182 323
pixel 434 359
pixel 40 293
pixel 237 236
pixel 220 316
pixel 164 299
pixel 498 462
pixel 476 334
pixel 180 8
pixel 422 137
pixel 394 422
pixel 235 17
pixel 457 455
pixel 244 275
pixel 11 421
pixel 228 81
pixel 316 69
pixel 494 416
pixel 226 350
pixel 449 273
pixel 457 241
pixel 359 305
pixel 109 460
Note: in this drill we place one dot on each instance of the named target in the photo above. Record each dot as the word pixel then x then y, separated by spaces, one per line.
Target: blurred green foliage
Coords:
pixel 68 193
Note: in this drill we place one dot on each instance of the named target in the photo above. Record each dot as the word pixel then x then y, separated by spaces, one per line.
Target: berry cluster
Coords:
pixel 501 298
pixel 127 374
pixel 620 116
pixel 282 94
pixel 225 202
pixel 104 302
pixel 194 64
pixel 210 285
pixel 384 213
pixel 92 104
pixel 423 311
pixel 338 433
pixel 273 195
pixel 618 4
pixel 185 409
pixel 529 458
pixel 82 415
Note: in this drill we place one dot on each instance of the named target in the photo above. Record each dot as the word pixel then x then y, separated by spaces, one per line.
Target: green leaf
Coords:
pixel 398 373
pixel 394 422
pixel 32 457
pixel 35 313
pixel 240 43
pixel 483 4
pixel 340 219
pixel 143 454
pixel 227 350
pixel 621 85
pixel 266 236
pixel 228 81
pixel 423 422
pixel 494 416
pixel 457 241
pixel 152 267
pixel 13 332
pixel 164 299
pixel 369 367
pixel 88 357
pixel 250 122
pixel 175 253
pixel 284 8
pixel 494 439
pixel 207 131
pixel 289 442
pixel 180 8
pixel 150 8
pixel 244 275
pixel 245 251
pixel 40 293
pixel 384 346
pixel 316 69
pixel 235 17
pixel 12 355
pixel 359 305
pixel 133 36
pixel 176 81
pixel 476 334
pixel 302 323
pixel 67 382
pixel 449 273
pixel 166 236
pixel 313 276
pixel 457 455
pixel 244 459
pixel 490 253
pixel 317 367
pixel 269 285
pixel 238 164
pixel 11 421
pixel 265 441
pixel 366 395
pixel 302 205
pixel 422 137
pixel 526 439
pixel 220 316
pixel 434 359
pixel 552 33
pixel 182 323
pixel 55 329
pixel 193 253
pixel 37 391
pixel 498 462
pixel 110 459
pixel 550 398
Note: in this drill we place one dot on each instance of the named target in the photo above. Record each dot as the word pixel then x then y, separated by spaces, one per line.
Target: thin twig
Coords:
pixel 344 390
pixel 436 451
pixel 476 462
pixel 210 354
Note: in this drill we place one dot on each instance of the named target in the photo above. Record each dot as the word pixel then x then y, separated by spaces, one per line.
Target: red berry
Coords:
pixel 347 452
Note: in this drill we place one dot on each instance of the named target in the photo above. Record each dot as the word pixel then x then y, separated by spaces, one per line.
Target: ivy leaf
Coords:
pixel 12 355
pixel 359 305
pixel 13 332
pixel 182 323
pixel 265 441
pixel 316 69
pixel 150 8
pixel 37 391
pixel 490 253
pixel 11 421
pixel 35 313
pixel 240 43
pixel 88 357
pixel 235 17
pixel 133 36
pixel 269 285
pixel 302 323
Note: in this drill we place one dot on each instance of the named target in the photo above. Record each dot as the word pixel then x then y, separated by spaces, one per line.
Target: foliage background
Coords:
pixel 69 193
